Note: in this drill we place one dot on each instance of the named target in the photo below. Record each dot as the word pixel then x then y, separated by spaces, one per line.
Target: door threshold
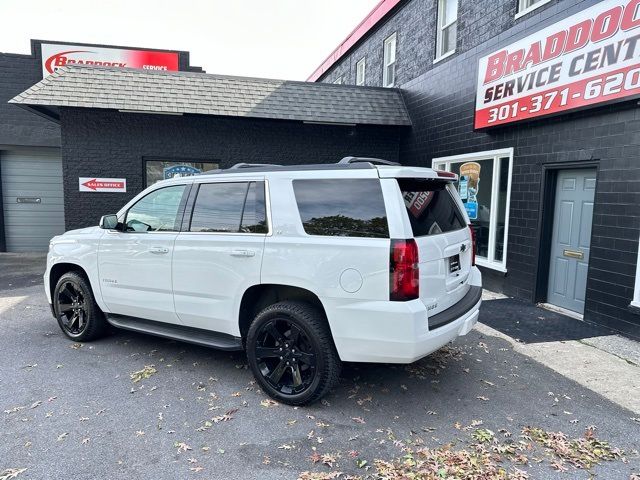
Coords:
pixel 561 310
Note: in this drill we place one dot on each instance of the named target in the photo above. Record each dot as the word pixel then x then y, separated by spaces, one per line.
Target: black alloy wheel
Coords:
pixel 285 356
pixel 75 308
pixel 291 352
pixel 71 308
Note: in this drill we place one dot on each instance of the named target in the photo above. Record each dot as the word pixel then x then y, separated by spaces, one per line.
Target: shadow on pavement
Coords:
pixel 530 324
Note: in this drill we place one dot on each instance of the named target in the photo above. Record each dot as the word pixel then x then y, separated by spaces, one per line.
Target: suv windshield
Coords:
pixel 430 206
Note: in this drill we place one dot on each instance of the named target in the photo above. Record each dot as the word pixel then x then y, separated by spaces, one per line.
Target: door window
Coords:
pixel 237 207
pixel 156 212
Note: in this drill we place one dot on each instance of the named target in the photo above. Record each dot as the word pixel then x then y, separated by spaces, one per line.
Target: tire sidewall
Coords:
pixel 265 317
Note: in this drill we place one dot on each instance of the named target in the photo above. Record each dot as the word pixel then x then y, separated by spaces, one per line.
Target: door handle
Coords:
pixel 242 253
pixel 573 254
pixel 158 250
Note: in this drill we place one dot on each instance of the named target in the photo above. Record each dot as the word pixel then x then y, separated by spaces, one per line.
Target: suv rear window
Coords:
pixel 342 207
pixel 430 206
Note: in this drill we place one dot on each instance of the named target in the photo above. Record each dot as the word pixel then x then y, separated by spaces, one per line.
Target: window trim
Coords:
pixel 440 28
pixel 363 62
pixel 179 214
pixel 339 80
pixel 393 37
pixel 496 155
pixel 188 215
pixel 636 291
pixel 522 12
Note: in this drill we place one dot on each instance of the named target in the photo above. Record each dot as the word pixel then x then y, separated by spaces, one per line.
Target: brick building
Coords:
pixel 533 103
pixel 557 211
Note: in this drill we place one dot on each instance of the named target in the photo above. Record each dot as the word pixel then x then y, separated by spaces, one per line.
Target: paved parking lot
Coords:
pixel 71 410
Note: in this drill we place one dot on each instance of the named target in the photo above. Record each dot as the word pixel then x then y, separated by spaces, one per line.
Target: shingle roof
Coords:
pixel 204 94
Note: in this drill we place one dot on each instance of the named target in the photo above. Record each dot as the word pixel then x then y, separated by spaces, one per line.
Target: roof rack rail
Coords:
pixel 373 161
pixel 252 165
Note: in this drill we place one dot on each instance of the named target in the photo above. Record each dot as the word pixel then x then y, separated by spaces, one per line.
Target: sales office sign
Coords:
pixel 587 59
pixel 56 55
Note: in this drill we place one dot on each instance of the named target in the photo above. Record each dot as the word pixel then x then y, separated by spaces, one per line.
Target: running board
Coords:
pixel 197 336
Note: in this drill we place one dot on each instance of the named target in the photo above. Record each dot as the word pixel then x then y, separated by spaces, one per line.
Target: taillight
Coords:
pixel 473 245
pixel 403 270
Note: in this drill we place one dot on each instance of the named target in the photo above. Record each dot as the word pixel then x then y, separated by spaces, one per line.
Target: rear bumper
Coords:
pixel 399 332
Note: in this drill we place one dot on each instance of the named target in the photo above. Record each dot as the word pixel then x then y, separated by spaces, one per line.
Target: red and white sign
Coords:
pixel 94 184
pixel 56 56
pixel 586 59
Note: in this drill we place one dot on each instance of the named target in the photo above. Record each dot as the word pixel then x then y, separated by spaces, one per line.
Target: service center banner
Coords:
pixel 589 58
pixel 56 56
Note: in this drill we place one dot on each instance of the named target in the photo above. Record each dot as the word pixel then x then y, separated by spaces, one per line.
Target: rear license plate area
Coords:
pixel 454 264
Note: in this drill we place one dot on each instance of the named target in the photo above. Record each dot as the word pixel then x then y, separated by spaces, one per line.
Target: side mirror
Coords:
pixel 109 222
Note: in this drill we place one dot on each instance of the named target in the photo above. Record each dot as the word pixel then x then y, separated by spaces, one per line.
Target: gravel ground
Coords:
pixel 73 411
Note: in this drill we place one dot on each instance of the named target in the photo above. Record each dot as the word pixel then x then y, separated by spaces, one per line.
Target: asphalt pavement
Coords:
pixel 136 406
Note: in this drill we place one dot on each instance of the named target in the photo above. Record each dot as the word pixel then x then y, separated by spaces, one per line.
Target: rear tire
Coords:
pixel 76 310
pixel 291 353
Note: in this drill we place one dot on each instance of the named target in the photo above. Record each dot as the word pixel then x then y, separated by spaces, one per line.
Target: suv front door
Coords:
pixel 218 254
pixel 135 263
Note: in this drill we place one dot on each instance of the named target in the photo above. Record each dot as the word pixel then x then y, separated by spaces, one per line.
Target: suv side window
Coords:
pixel 230 207
pixel 156 212
pixel 342 207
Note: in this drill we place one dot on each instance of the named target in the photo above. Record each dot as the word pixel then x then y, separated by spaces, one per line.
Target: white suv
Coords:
pixel 302 266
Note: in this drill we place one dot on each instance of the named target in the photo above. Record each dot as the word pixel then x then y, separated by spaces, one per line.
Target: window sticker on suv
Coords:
pixel 342 207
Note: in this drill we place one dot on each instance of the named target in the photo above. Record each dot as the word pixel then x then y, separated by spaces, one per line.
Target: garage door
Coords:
pixel 32 198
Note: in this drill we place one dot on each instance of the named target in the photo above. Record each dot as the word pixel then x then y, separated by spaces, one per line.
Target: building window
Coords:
pixel 636 292
pixel 157 170
pixel 526 6
pixel 389 64
pixel 484 184
pixel 447 28
pixel 339 80
pixel 360 71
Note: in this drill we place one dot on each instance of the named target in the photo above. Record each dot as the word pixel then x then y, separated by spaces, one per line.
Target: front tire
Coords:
pixel 291 353
pixel 75 308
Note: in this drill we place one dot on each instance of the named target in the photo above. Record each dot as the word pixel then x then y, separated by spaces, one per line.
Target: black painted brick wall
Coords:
pixel 18 126
pixel 441 98
pixel 112 144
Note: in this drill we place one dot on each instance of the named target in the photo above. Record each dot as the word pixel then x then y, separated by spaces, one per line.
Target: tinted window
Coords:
pixel 430 207
pixel 156 212
pixel 342 208
pixel 230 207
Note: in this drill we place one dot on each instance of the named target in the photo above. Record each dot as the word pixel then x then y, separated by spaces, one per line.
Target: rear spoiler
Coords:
pixel 415 172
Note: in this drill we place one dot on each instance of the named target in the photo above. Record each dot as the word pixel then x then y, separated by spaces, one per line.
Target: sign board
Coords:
pixel 56 55
pixel 587 59
pixel 417 202
pixel 180 171
pixel 94 184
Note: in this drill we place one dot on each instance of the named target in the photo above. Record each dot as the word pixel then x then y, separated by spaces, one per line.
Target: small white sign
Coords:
pixel 95 184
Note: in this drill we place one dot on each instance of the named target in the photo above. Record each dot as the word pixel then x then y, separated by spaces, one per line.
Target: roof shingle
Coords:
pixel 205 94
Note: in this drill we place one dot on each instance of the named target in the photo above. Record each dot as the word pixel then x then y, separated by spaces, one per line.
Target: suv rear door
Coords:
pixel 218 253
pixel 440 228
